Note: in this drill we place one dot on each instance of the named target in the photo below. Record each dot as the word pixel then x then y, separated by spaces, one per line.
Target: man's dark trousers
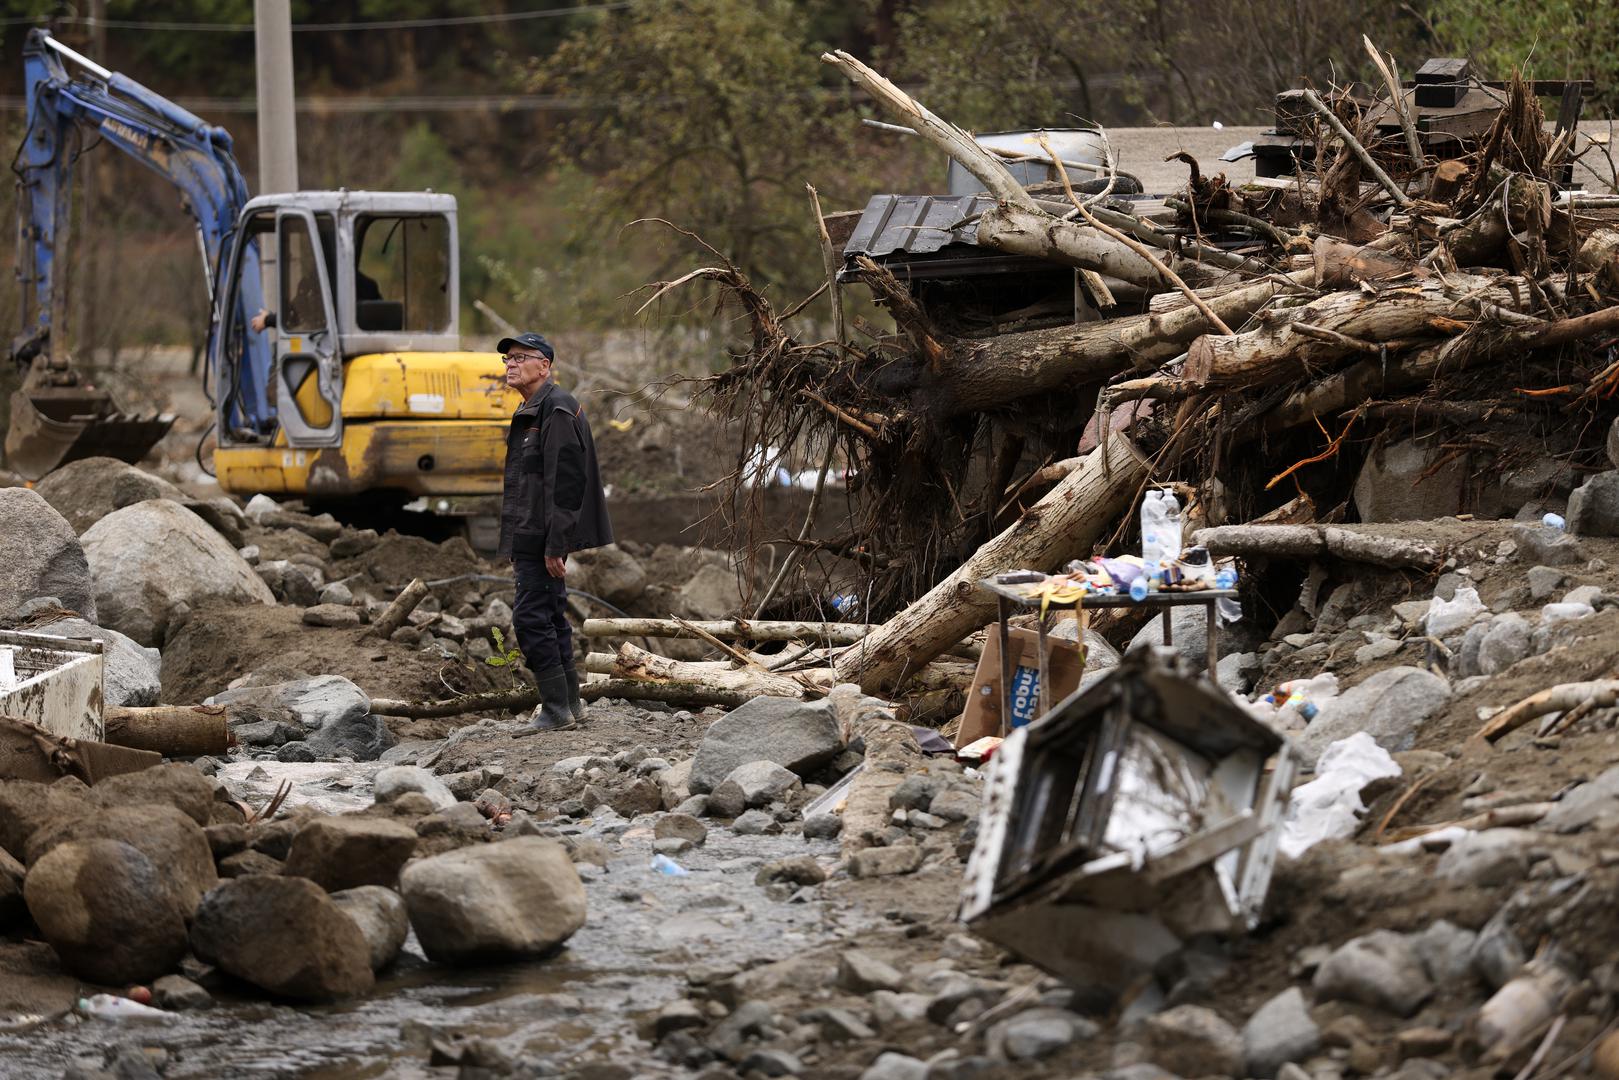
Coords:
pixel 540 617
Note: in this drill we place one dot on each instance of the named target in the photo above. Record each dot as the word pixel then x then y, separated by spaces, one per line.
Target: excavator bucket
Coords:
pixel 51 426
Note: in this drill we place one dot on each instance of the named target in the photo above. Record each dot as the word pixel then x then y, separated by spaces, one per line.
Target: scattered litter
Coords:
pixel 113 1007
pixel 1329 806
pixel 1565 612
pixel 663 864
pixel 1446 617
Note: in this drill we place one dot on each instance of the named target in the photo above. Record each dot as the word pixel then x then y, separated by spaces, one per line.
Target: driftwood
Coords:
pixel 170 730
pixel 1316 541
pixel 674 692
pixel 1061 526
pixel 394 616
pixel 1599 694
pixel 1017 231
pixel 749 629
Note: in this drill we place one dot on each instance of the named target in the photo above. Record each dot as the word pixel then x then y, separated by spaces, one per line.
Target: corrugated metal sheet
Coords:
pixel 918 224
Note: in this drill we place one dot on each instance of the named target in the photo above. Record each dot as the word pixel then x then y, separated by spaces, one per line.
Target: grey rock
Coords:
pixel 1547 546
pixel 314 702
pixel 347 852
pixel 795 869
pixel 1544 581
pixel 608 572
pixel 885 861
pixel 42 556
pixel 726 801
pixel 1189 633
pixel 711 593
pixel 130 671
pixel 839 1025
pixel 797 735
pixel 1390 706
pixel 1593 508
pixel 297 752
pixel 1589 595
pixel 1280 1031
pixel 955 804
pixel 1237 671
pixel 1381 969
pixel 494 902
pixel 1191 1039
pixel 1446 951
pixel 692 806
pixel 1505 643
pixel 395 780
pixel 283 935
pixel 171 784
pixel 915 792
pixel 381 916
pixel 680 826
pixel 1374 651
pixel 1036 1033
pixel 87 490
pixel 1488 857
pixel 890 1007
pixel 771 1063
pixel 1592 805
pixel 170 838
pixel 892 1066
pixel 1497 954
pixel 750 1019
pixel 250 554
pixel 148 559
pixel 104 907
pixel 1405 481
pixel 337 593
pixel 179 994
pixel 1140 1071
pixel 1467 655
pixel 861 973
pixel 755 823
pixel 353 542
pixel 763 782
pixel 821 826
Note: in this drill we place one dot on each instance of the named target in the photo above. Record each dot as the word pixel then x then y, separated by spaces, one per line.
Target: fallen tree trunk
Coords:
pixel 1018 231
pixel 985 374
pixel 170 730
pixel 638 665
pixel 1353 321
pixel 750 629
pixel 1601 694
pixel 1315 541
pixel 1061 526
pixel 1361 381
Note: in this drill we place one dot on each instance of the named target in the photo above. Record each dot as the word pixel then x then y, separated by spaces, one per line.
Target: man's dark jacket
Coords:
pixel 553 501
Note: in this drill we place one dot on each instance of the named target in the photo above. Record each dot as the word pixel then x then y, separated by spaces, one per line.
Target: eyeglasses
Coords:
pixel 518 358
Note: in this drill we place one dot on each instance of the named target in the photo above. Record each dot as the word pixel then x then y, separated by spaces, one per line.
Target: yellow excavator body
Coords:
pixel 418 423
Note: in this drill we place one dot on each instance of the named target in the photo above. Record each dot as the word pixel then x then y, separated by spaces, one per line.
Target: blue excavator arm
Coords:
pixel 64 110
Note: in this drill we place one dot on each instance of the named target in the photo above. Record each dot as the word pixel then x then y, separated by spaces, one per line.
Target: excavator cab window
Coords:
pixel 402 272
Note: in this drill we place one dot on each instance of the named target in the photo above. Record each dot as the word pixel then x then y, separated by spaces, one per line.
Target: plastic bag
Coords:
pixel 1446 617
pixel 1329 806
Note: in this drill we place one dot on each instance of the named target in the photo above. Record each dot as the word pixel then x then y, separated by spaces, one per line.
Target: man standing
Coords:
pixel 552 504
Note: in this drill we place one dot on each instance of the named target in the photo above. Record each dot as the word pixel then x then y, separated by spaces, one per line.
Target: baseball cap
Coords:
pixel 532 340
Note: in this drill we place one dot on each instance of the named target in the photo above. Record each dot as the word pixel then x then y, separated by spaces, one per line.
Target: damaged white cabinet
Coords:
pixel 54 682
pixel 1136 814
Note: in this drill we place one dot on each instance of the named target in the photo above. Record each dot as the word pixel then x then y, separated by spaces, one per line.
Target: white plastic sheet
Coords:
pixel 1329 806
pixel 1446 617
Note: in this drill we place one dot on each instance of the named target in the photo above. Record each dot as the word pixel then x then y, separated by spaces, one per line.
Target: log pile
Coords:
pixel 1252 345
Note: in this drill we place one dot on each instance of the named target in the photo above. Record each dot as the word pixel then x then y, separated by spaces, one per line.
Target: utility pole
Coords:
pixel 278 130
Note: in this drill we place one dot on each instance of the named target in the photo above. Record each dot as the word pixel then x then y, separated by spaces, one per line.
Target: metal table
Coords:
pixel 1009 597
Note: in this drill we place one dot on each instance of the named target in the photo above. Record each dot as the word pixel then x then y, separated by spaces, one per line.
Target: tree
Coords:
pixel 712 114
pixel 1551 39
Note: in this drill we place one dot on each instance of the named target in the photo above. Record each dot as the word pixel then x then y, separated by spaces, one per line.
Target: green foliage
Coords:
pixel 1549 39
pixel 712 114
pixel 503 657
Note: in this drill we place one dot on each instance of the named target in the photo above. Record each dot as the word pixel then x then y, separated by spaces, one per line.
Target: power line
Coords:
pixel 390 24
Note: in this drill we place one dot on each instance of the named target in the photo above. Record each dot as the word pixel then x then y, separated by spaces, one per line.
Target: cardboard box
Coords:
pixel 1065 663
pixel 29 752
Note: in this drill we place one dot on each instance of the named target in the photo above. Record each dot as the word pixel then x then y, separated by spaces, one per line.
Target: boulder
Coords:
pixel 26 807
pixel 1381 969
pixel 711 593
pixel 42 556
pixel 608 572
pixel 331 615
pixel 362 738
pixel 106 910
pixel 173 784
pixel 1508 639
pixel 861 973
pixel 177 993
pixel 395 780
pixel 1405 481
pixel 519 898
pixel 1389 706
pixel 380 914
pixel 87 490
pixel 171 840
pixel 1280 1031
pixel 283 935
pixel 130 672
pixel 1189 635
pixel 885 861
pixel 1191 1040
pixel 332 709
pixel 680 827
pixel 346 852
pixel 1546 546
pixel 147 559
pixel 13 908
pixel 797 735
pixel 763 782
pixel 1036 1033
pixel 1593 508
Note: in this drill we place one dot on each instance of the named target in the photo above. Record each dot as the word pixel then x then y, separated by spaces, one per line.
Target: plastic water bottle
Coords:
pixel 663 864
pixel 1138 589
pixel 1170 538
pixel 1554 521
pixel 1154 527
pixel 1225 579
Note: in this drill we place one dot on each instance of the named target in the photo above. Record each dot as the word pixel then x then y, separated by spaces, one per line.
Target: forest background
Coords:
pixel 560 125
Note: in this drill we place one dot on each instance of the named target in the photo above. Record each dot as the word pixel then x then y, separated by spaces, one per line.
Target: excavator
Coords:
pixel 352 387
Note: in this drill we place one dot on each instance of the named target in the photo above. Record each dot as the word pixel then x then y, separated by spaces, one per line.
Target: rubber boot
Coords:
pixel 553 714
pixel 575 705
